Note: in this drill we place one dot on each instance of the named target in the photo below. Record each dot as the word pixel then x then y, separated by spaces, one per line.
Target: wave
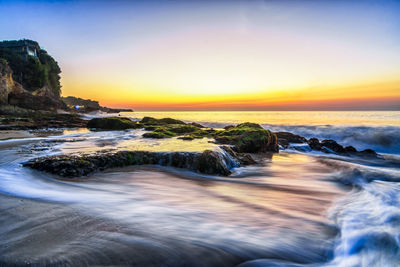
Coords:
pixel 384 139
pixel 369 221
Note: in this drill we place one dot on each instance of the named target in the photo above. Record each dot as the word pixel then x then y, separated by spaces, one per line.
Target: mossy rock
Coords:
pixel 159 133
pixel 153 121
pixel 113 123
pixel 249 137
pixel 181 128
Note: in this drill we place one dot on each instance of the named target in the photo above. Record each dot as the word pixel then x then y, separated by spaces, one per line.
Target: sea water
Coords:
pixel 293 209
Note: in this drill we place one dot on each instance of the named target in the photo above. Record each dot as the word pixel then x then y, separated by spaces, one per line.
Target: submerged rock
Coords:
pixel 113 123
pixel 248 137
pixel 314 143
pixel 284 138
pixel 207 162
pixel 333 145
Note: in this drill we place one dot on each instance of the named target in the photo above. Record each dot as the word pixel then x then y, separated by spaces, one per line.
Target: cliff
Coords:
pixel 32 66
pixel 30 79
pixel 13 93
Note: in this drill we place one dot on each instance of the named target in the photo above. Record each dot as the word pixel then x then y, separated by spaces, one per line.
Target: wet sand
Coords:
pixel 13 134
pixel 151 216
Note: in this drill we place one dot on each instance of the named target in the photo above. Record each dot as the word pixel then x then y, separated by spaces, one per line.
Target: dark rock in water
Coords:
pixel 284 138
pixel 207 162
pixel 150 120
pixel 350 149
pixel 368 153
pixel 243 158
pixel 197 125
pixel 187 137
pixel 210 162
pixel 248 137
pixel 113 123
pixel 332 145
pixel 228 127
pixel 314 143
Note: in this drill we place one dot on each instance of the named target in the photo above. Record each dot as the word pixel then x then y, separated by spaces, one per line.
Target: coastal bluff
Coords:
pixel 30 81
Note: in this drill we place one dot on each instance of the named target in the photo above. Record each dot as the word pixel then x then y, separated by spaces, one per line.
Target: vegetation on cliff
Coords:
pixel 32 72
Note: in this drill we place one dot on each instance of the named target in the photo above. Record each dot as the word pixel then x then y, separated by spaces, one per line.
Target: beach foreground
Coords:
pixel 298 207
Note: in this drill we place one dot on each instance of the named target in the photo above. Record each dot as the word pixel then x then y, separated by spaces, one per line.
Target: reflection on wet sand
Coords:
pixel 177 217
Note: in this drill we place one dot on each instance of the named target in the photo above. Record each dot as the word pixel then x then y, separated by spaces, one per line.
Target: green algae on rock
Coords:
pixel 113 123
pixel 207 162
pixel 248 137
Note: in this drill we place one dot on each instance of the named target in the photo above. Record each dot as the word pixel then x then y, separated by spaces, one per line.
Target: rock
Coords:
pixel 367 153
pixel 158 133
pixel 314 143
pixel 88 105
pixel 7 84
pixel 244 158
pixel 350 149
pixel 210 162
pixel 197 125
pixel 207 162
pixel 248 137
pixel 150 120
pixel 113 123
pixel 35 102
pixel 187 137
pixel 332 145
pixel 181 128
pixel 171 130
pixel 284 138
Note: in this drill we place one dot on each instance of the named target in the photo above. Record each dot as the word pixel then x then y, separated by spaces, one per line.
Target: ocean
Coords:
pixel 295 208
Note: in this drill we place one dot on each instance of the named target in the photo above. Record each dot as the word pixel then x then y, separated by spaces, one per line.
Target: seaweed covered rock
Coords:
pixel 159 133
pixel 210 162
pixel 169 130
pixel 153 121
pixel 248 137
pixel 207 162
pixel 113 123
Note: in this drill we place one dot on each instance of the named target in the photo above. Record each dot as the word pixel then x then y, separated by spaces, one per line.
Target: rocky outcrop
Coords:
pixel 331 146
pixel 88 105
pixel 245 137
pixel 12 93
pixel 153 121
pixel 113 123
pixel 41 120
pixel 284 138
pixel 249 138
pixel 7 84
pixel 207 162
pixel 28 100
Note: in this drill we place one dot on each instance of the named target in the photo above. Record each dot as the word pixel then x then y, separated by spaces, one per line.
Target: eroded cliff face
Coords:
pixel 7 84
pixel 12 93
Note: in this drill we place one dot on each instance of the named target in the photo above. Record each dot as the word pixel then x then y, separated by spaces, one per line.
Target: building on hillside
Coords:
pixel 25 47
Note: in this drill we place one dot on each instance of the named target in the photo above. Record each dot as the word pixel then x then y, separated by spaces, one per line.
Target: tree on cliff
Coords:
pixel 31 71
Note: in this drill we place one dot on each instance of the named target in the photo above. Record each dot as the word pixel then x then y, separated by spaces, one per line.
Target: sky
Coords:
pixel 219 55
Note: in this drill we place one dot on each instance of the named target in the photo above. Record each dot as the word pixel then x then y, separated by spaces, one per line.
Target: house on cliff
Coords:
pixel 23 47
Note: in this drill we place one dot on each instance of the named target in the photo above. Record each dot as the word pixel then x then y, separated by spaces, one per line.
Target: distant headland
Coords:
pixel 30 81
